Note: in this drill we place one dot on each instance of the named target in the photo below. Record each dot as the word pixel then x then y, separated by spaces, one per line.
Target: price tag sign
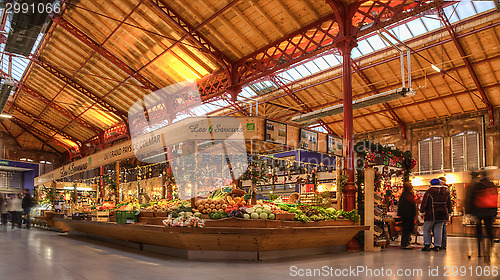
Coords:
pixel 227 189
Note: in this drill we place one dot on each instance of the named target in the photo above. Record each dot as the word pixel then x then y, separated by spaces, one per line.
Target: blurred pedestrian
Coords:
pixel 444 241
pixel 481 201
pixel 26 204
pixel 14 206
pixel 407 210
pixel 436 206
pixel 3 211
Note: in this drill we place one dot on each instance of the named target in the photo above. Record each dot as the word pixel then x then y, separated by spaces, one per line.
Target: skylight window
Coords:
pixel 312 67
pixel 321 62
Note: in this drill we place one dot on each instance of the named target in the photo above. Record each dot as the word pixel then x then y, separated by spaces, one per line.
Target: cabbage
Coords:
pixel 263 216
pixel 254 216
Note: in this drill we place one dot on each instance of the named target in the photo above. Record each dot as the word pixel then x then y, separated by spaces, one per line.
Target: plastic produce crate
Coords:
pixel 126 217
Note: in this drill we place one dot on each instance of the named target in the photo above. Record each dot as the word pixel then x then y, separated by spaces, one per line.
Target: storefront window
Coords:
pixel 465 151
pixel 430 155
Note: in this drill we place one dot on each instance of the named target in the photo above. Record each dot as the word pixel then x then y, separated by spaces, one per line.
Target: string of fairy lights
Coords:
pixel 274 164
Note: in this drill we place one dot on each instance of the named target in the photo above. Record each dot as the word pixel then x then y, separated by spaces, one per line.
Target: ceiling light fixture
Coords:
pixel 306 119
pixel 435 68
pixel 7 116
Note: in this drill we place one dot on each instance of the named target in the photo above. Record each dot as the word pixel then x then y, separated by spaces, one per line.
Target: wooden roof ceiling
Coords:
pixel 99 57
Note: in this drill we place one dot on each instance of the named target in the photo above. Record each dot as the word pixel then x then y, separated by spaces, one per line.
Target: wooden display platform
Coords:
pixel 224 242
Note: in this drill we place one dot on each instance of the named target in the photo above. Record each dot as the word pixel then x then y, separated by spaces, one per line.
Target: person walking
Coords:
pixel 407 210
pixel 436 206
pixel 14 206
pixel 3 211
pixel 481 201
pixel 444 242
pixel 27 204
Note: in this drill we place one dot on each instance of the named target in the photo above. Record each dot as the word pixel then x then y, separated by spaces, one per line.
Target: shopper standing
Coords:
pixel 14 206
pixel 3 211
pixel 407 210
pixel 436 206
pixel 481 201
pixel 27 203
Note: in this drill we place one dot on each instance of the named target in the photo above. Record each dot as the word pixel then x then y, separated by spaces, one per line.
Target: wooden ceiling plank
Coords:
pixel 275 26
pixel 255 29
pixel 213 32
pixel 228 24
pixel 287 11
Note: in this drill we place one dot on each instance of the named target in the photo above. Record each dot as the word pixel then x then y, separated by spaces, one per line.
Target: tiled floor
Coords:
pixel 43 255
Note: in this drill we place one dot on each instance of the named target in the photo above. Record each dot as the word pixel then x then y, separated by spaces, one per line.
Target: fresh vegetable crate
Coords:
pixel 100 216
pixel 126 217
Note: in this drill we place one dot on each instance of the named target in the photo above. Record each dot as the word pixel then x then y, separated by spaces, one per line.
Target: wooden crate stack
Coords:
pixel 100 216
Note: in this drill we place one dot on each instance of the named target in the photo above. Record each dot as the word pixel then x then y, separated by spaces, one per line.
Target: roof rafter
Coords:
pixel 471 71
pixel 58 108
pixel 40 121
pixel 192 32
pixel 74 84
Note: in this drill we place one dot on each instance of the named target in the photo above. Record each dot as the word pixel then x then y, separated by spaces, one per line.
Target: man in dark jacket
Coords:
pixel 407 210
pixel 27 203
pixel 481 202
pixel 436 206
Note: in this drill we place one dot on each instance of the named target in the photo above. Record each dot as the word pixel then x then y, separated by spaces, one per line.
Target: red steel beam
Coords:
pixel 415 39
pixel 235 105
pixel 81 89
pixel 309 41
pixel 299 102
pixel 375 91
pixel 40 121
pixel 441 42
pixel 34 132
pixel 471 71
pixel 418 103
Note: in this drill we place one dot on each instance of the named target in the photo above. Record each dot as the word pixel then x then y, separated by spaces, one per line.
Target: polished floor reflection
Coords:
pixel 43 255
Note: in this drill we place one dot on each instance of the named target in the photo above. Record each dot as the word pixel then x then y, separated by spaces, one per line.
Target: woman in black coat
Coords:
pixel 407 210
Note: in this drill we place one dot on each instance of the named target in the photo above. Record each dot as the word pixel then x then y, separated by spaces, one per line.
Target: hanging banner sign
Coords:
pixel 200 128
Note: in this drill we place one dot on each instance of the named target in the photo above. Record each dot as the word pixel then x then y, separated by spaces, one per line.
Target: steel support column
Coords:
pixel 472 73
pixel 344 14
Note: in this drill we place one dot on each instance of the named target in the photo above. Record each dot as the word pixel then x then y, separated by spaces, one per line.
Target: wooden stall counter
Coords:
pixel 232 239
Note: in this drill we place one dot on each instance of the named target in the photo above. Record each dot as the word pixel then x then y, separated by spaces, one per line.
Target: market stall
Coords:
pixel 218 186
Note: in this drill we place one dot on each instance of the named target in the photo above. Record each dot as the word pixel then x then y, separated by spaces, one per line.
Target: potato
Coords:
pixel 197 203
pixel 217 206
pixel 212 206
pixel 204 211
pixel 224 206
pixel 201 207
pixel 209 201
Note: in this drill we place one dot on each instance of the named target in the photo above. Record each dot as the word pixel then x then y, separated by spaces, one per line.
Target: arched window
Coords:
pixel 430 155
pixel 465 151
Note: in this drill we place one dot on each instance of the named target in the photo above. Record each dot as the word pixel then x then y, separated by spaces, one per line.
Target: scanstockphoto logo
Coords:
pixel 203 152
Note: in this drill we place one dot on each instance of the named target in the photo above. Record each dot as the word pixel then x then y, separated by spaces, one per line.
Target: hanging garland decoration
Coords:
pixel 453 192
pixel 371 152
